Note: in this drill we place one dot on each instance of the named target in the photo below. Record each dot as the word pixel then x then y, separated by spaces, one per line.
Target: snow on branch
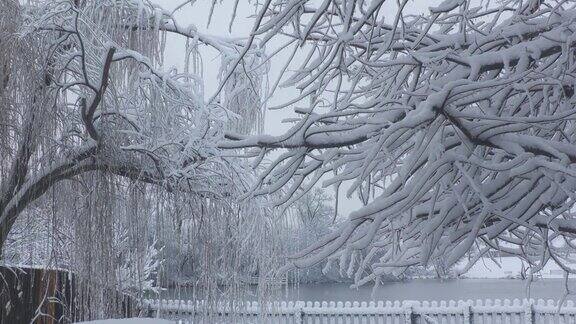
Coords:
pixel 454 128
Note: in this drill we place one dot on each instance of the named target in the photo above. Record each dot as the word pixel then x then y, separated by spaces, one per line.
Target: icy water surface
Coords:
pixel 420 289
pixel 430 289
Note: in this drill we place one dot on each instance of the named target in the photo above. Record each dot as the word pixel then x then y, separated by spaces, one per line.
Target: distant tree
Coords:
pixel 455 128
pixel 314 210
pixel 313 217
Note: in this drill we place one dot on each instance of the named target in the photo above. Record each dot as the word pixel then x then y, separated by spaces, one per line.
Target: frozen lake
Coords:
pixel 485 280
pixel 431 289
pixel 419 289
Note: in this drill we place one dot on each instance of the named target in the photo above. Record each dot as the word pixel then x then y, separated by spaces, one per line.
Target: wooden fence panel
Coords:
pixel 44 296
pixel 25 292
pixel 407 312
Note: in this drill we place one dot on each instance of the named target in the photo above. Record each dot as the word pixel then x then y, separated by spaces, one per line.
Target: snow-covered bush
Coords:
pixel 138 276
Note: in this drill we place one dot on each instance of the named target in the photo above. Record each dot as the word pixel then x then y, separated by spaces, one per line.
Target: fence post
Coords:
pixel 408 312
pixel 466 311
pixel 528 312
pixel 298 312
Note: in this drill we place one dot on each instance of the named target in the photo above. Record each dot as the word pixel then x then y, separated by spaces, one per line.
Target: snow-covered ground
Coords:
pixel 508 267
pixel 130 321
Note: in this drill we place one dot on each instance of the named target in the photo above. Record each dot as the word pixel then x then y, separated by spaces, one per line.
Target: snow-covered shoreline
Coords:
pixel 508 268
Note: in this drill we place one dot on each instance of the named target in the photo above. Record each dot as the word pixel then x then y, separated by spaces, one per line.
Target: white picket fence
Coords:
pixel 407 312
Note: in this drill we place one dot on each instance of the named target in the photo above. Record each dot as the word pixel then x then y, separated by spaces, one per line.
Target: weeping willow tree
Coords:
pixel 106 159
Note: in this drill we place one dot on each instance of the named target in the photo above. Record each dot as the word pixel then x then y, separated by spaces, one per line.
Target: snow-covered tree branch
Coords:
pixel 454 128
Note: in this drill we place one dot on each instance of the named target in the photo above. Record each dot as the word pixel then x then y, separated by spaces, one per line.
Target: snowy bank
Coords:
pixel 507 267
